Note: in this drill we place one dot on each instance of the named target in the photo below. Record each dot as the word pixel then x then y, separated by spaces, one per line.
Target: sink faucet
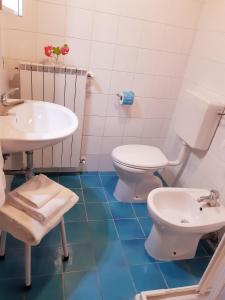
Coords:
pixel 211 199
pixel 5 105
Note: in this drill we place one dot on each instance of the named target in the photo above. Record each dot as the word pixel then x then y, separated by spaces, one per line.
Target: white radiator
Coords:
pixel 65 86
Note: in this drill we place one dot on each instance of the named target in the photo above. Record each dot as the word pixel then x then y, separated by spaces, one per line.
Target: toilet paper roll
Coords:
pixel 127 98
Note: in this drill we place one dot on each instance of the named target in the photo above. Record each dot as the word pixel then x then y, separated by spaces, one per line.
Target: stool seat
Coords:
pixel 25 228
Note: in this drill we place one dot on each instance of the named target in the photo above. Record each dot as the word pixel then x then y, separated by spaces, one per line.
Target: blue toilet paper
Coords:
pixel 127 98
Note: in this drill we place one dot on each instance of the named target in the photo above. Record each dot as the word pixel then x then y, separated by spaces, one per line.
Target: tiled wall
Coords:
pixel 141 45
pixel 206 71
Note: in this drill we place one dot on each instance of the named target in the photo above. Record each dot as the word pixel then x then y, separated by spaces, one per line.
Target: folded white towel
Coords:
pixel 38 191
pixel 26 228
pixel 47 211
pixel 2 179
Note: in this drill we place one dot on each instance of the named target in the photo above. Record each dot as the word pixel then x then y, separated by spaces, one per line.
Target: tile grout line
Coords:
pixel 110 209
pixel 138 220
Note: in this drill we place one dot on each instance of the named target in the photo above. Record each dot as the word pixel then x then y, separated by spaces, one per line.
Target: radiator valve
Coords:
pixel 83 160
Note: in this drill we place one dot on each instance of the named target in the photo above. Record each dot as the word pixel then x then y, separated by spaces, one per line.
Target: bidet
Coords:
pixel 180 221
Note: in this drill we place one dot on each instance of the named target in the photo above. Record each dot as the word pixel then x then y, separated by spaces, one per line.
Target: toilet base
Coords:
pixel 166 246
pixel 136 192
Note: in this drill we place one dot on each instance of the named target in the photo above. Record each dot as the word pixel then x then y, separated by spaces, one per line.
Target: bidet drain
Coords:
pixel 184 221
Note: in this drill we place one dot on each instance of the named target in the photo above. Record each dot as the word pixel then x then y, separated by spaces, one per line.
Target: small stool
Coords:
pixel 30 231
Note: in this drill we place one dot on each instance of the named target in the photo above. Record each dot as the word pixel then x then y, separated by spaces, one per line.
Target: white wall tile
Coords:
pixel 114 126
pixel 125 59
pixel 79 23
pixel 91 145
pixel 17 50
pixel 51 18
pixel 109 143
pixel 139 45
pixel 96 104
pixel 133 127
pixel 121 81
pixel 129 32
pixel 105 27
pixel 114 108
pixel 94 125
pixel 100 83
pixel 79 52
pixel 102 55
pixel 147 61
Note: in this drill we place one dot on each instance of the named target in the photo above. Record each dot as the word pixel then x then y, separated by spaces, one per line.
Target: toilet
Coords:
pixel 195 120
pixel 136 165
pixel 179 222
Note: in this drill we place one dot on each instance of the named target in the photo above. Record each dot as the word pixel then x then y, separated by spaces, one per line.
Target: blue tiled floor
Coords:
pixel 107 260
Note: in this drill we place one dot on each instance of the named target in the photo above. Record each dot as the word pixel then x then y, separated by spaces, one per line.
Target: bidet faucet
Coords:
pixel 5 106
pixel 211 199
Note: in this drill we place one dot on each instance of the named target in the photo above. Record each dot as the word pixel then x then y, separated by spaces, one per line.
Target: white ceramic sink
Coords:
pixel 35 124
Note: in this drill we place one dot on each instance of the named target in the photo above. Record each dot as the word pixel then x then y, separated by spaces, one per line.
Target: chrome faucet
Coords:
pixel 5 105
pixel 211 199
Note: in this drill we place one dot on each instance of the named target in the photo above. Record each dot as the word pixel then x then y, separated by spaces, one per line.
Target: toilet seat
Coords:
pixel 139 157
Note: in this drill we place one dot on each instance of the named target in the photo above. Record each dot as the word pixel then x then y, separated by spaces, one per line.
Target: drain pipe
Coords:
pixel 182 160
pixel 185 149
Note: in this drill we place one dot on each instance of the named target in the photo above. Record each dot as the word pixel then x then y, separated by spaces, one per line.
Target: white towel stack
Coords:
pixel 41 198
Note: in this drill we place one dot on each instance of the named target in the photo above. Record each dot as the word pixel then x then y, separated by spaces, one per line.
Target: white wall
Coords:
pixel 206 71
pixel 141 45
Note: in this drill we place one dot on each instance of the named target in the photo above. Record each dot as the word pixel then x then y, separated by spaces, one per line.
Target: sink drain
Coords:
pixel 184 221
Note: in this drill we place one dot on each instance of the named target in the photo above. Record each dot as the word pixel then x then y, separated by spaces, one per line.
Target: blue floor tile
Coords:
pixel 135 252
pixel 141 210
pixel 93 195
pixel 109 181
pixel 17 181
pixel 107 258
pixel 129 229
pixel 52 238
pixel 147 277
pixel 146 224
pixel 53 176
pixel 109 191
pixel 102 230
pixel 121 210
pixel 197 267
pixel 46 260
pixel 12 265
pixel 206 246
pixel 12 289
pixel 176 274
pixel 201 252
pixel 70 181
pixel 89 173
pixel 78 232
pixel 109 253
pixel 79 193
pixel 116 283
pixel 81 286
pixel 89 181
pixel 98 211
pixel 81 257
pixel 45 287
pixel 108 173
pixel 76 213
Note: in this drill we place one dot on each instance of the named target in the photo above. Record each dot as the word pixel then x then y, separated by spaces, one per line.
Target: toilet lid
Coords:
pixel 139 156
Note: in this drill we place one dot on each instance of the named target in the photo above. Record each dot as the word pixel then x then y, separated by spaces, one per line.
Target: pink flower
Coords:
pixel 48 51
pixel 65 49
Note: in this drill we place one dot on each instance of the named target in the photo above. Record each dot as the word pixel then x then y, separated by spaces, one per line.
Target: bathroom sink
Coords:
pixel 35 124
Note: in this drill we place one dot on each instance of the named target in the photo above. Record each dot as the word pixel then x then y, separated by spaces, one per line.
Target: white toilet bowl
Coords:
pixel 135 165
pixel 180 221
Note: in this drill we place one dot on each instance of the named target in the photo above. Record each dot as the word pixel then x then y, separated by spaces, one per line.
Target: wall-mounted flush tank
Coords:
pixel 196 119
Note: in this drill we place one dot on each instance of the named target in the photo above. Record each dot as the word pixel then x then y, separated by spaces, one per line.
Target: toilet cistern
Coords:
pixel 211 199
